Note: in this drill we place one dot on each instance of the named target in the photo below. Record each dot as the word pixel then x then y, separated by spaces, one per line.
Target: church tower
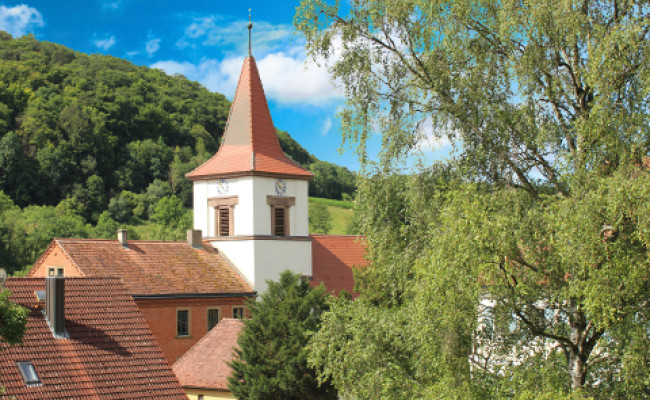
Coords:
pixel 250 200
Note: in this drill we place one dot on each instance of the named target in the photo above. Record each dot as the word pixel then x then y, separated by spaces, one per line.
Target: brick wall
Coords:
pixel 161 317
pixel 54 256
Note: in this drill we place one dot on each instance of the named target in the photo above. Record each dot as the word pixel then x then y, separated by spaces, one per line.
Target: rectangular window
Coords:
pixel 224 210
pixel 223 223
pixel 238 312
pixel 213 318
pixel 182 322
pixel 54 271
pixel 28 372
pixel 279 219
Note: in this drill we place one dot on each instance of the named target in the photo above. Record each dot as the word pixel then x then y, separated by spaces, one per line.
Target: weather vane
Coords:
pixel 250 28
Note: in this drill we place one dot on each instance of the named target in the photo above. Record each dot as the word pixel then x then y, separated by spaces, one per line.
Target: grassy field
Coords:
pixel 341 211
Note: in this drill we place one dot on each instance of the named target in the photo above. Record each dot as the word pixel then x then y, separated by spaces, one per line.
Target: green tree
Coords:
pixel 271 362
pixel 320 220
pixel 13 319
pixel 544 230
pixel 171 218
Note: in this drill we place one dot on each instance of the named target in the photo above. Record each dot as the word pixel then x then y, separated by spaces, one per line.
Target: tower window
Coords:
pixel 224 208
pixel 279 221
pixel 223 224
pixel 280 207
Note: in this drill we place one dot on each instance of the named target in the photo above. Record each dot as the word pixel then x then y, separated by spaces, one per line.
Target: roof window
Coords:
pixel 28 372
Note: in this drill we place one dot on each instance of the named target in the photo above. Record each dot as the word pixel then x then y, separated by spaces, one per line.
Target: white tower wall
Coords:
pixel 252 250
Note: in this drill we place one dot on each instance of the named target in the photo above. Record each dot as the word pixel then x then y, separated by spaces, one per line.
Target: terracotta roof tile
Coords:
pixel 206 364
pixel 250 144
pixel 111 353
pixel 333 260
pixel 150 268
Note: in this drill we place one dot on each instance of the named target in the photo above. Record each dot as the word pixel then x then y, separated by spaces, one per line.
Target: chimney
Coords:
pixel 55 305
pixel 122 236
pixel 194 238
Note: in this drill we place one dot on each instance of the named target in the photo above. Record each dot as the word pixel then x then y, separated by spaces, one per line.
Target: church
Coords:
pixel 251 222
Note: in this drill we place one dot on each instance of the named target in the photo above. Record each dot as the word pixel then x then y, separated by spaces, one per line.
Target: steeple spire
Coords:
pixel 250 28
pixel 250 144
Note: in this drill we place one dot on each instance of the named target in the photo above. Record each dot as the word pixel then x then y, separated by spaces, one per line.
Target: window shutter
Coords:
pixel 279 221
pixel 224 221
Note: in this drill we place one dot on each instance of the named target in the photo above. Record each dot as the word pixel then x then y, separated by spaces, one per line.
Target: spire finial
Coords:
pixel 250 28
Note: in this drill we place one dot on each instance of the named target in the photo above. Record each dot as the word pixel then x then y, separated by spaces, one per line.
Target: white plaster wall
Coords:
pixel 298 214
pixel 252 214
pixel 200 206
pixel 241 254
pixel 275 256
pixel 204 216
pixel 261 260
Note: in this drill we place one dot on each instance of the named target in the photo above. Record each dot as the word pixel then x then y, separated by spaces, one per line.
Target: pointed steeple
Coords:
pixel 250 144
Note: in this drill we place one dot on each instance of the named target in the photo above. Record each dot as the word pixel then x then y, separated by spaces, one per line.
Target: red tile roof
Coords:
pixel 150 268
pixel 250 144
pixel 334 258
pixel 206 364
pixel 111 353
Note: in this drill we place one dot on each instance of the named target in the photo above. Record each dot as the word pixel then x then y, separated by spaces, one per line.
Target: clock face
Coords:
pixel 280 187
pixel 222 186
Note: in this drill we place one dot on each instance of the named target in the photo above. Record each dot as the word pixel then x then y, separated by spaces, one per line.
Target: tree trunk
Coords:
pixel 577 370
pixel 578 351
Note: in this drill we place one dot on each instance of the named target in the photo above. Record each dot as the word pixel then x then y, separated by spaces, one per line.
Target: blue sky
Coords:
pixel 206 41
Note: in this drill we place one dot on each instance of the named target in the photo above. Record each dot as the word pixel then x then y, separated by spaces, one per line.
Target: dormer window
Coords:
pixel 28 372
pixel 224 210
pixel 280 207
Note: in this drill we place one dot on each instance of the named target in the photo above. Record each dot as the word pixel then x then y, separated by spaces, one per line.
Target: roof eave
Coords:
pixel 207 177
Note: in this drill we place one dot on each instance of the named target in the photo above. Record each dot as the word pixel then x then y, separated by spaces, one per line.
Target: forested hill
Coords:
pixel 92 127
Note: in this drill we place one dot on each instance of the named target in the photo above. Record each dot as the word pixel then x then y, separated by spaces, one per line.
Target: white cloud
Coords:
pixel 218 76
pixel 428 140
pixel 20 19
pixel 327 125
pixel 105 44
pixel 286 78
pixel 289 79
pixel 216 30
pixel 152 46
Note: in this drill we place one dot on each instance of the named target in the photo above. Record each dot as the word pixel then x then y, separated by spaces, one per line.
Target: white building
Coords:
pixel 250 200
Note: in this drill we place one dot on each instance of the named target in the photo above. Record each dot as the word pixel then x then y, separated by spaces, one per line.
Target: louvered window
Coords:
pixel 224 221
pixel 224 210
pixel 280 221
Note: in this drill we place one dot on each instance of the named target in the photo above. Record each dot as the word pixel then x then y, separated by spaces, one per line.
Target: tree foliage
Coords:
pixel 13 319
pixel 102 134
pixel 271 362
pixel 320 220
pixel 537 228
